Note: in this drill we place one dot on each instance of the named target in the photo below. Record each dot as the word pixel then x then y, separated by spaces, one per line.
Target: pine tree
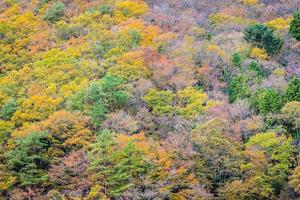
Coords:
pixel 115 168
pixel 262 36
pixel 295 26
pixel 29 160
pixel 292 92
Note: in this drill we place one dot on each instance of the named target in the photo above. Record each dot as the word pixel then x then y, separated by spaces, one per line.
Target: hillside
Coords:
pixel 149 100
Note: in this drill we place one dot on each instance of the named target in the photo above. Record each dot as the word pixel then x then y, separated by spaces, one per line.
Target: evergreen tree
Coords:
pixel 54 13
pixel 295 26
pixel 292 92
pixel 238 88
pixel 115 168
pixel 8 109
pixel 29 160
pixel 266 101
pixel 262 36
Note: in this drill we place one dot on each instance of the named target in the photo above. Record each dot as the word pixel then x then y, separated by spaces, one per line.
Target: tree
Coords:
pixel 160 101
pixel 290 117
pixel 266 101
pixel 292 92
pixel 262 36
pixel 294 179
pixel 54 13
pixel 115 168
pixel 236 60
pixel 295 26
pixel 218 158
pixel 8 109
pixel 269 160
pixel 29 161
pixel 279 151
pixel 70 175
pixel 108 94
pixel 238 88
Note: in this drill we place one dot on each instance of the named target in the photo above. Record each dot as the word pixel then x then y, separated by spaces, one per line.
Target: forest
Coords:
pixel 149 99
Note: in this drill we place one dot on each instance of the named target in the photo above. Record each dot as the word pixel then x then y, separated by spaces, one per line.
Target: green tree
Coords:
pixel 238 88
pixel 280 152
pixel 160 101
pixel 295 26
pixel 266 101
pixel 29 161
pixel 292 92
pixel 258 70
pixel 9 109
pixel 54 13
pixel 262 36
pixel 236 60
pixel 105 10
pixel 115 168
pixel 136 37
pixel 108 94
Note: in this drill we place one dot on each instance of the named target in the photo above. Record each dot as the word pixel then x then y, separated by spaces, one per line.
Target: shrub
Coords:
pixel 292 92
pixel 295 26
pixel 262 36
pixel 257 69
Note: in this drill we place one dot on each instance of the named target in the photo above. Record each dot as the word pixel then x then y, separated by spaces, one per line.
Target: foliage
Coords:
pixel 264 37
pixel 8 109
pixel 292 92
pixel 238 88
pixel 221 157
pixel 115 167
pixel 54 13
pixel 135 99
pixel 236 60
pixel 266 101
pixel 259 54
pixel 160 101
pixel 294 26
pixel 29 160
pixel 279 23
pixel 294 179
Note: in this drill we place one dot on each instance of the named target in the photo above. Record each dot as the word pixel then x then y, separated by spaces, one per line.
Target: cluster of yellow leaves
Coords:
pixel 220 18
pixel 193 102
pixel 148 32
pixel 128 9
pixel 214 48
pixel 130 66
pixel 72 128
pixel 35 108
pixel 197 31
pixel 279 72
pixel 251 2
pixel 280 23
pixel 259 54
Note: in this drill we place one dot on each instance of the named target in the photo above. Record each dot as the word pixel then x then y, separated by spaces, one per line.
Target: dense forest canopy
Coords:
pixel 150 100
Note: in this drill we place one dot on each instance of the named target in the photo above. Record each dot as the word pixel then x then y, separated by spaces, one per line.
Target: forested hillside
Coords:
pixel 150 100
